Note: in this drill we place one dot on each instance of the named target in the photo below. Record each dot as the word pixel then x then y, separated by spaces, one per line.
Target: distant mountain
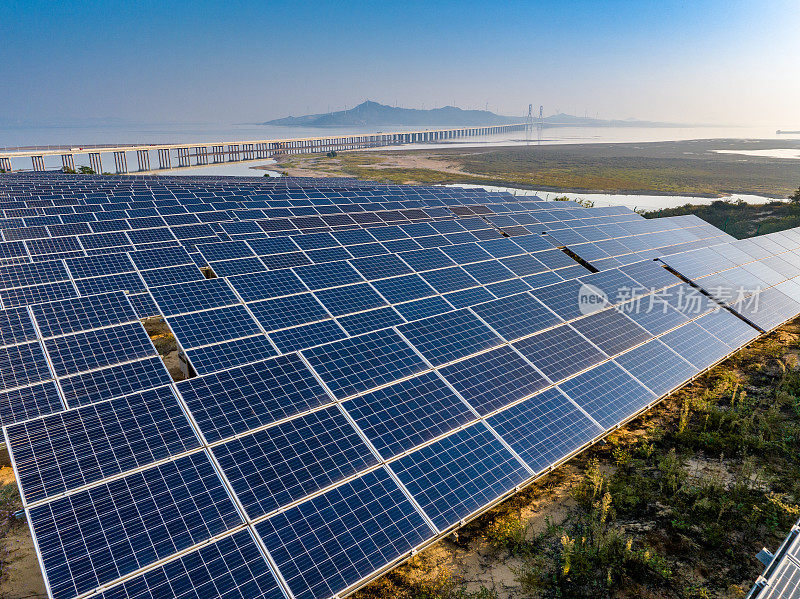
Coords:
pixel 374 114
pixel 370 113
pixel 569 120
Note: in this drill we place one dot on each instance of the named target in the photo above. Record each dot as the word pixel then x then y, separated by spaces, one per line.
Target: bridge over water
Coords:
pixel 154 157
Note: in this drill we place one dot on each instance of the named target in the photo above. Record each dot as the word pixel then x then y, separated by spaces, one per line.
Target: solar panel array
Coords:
pixel 781 578
pixel 363 388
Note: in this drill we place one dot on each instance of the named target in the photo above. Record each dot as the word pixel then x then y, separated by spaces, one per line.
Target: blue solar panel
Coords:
pixel 696 345
pixel 544 429
pixel 21 275
pixel 29 402
pixel 101 347
pixel 493 379
pixel 657 367
pixel 70 449
pixel 560 352
pixel 307 335
pixel 457 475
pixel 283 312
pixel 449 336
pixel 373 320
pixel 449 279
pixel 58 318
pixel 611 331
pixel 408 413
pixel 16 326
pixel 171 275
pixel 351 298
pixel 22 364
pixel 608 394
pixel 231 567
pixel 193 296
pixel 94 266
pixel 233 401
pixel 212 326
pixel 330 542
pixel 159 258
pixel 284 463
pixel 404 288
pixel 320 276
pixel 266 285
pixel 211 358
pixel 114 381
pixel 516 316
pixel 354 365
pixel 120 526
pixel 37 294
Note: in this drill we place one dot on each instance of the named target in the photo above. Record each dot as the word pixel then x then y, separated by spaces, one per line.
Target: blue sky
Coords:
pixel 710 61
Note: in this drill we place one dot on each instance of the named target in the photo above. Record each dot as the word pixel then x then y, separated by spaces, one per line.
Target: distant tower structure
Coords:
pixel 529 125
pixel 540 125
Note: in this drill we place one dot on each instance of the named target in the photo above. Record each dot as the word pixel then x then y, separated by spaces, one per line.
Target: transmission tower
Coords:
pixel 540 125
pixel 529 125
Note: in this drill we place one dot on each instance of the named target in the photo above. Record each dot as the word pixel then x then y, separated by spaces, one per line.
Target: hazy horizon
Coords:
pixel 710 63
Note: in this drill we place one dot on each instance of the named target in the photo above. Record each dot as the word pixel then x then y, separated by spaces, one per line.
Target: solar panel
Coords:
pixel 279 465
pixel 232 566
pixel 121 525
pixel 233 401
pixel 330 542
pixel 212 326
pixel 397 418
pixel 68 316
pixel 93 349
pixel 516 316
pixel 354 365
pixel 452 289
pixel 608 394
pixel 453 477
pixel 544 429
pixel 493 379
pixel 447 337
pixel 67 450
pixel 193 296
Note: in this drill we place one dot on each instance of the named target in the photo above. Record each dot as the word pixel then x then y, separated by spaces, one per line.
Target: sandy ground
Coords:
pixel 24 579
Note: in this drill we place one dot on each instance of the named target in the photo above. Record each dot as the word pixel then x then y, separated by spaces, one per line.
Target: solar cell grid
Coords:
pixel 70 449
pixel 193 296
pixel 178 503
pixel 16 326
pixel 282 464
pixel 230 567
pixel 330 542
pixel 608 394
pixel 212 326
pixel 82 351
pixel 455 476
pixel 449 336
pixel 233 401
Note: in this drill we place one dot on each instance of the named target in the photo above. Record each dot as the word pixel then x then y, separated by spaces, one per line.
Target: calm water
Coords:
pixel 202 133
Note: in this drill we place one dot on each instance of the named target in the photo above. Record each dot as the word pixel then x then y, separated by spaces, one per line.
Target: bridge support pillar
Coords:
pixel 200 155
pixel 96 162
pixel 247 151
pixel 38 163
pixel 68 162
pixel 120 162
pixel 5 164
pixel 164 160
pixel 143 157
pixel 233 153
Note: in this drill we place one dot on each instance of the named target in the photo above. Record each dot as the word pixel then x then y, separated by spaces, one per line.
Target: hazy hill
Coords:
pixel 372 113
pixel 375 114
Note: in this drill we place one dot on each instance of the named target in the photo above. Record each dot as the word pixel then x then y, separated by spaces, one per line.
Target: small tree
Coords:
pixel 795 197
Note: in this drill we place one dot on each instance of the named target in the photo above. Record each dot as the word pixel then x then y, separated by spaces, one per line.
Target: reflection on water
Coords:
pixel 793 153
pixel 632 201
